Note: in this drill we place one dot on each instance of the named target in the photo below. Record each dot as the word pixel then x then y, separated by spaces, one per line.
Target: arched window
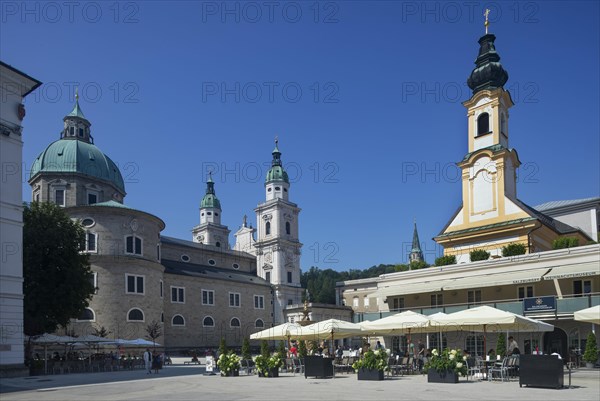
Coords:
pixel 208 322
pixel 87 314
pixel 135 315
pixel 483 124
pixel 288 228
pixel 259 324
pixel 218 244
pixel 235 322
pixel 268 228
pixel 178 321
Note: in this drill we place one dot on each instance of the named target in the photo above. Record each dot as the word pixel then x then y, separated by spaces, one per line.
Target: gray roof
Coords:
pixel 563 203
pixel 191 244
pixel 211 272
pixel 556 225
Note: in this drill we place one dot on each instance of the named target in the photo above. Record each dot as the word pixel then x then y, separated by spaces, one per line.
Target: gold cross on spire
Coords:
pixel 486 13
pixel 76 93
pixel 276 140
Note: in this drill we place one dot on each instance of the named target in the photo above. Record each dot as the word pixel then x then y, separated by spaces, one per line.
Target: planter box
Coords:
pixel 273 372
pixel 232 373
pixel 318 366
pixel 370 374
pixel 434 376
pixel 541 371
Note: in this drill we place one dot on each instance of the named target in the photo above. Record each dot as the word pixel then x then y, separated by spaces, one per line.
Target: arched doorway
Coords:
pixel 556 341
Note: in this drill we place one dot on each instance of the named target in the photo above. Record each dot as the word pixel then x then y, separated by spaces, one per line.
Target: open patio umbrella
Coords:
pixel 591 315
pixel 279 332
pixel 400 323
pixel 47 339
pixel 328 329
pixel 89 340
pixel 484 318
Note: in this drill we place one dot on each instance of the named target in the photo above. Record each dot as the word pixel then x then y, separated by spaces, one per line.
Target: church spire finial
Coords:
pixel 486 13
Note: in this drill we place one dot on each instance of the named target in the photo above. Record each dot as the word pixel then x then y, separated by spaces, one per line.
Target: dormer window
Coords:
pixel 80 133
pixel 483 124
pixel 72 131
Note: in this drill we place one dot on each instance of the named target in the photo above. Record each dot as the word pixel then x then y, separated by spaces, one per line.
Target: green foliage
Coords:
pixel 447 360
pixel 302 351
pixel 246 354
pixel 415 265
pixel 321 283
pixel 445 260
pixel 591 349
pixel 57 283
pixel 513 250
pixel 372 359
pixel 501 345
pixel 223 347
pixel 401 268
pixel 479 254
pixel 228 362
pixel 264 349
pixel 101 332
pixel 281 349
pixel 565 242
pixel 264 363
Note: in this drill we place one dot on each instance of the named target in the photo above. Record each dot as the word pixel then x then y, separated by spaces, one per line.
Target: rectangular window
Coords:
pixel 582 287
pixel 397 304
pixel 135 284
pixel 92 198
pixel 90 242
pixel 59 197
pixel 234 299
pixel 36 197
pixel 289 277
pixel 259 302
pixel 268 276
pixel 474 297
pixel 525 292
pixel 437 300
pixel 208 297
pixel 161 288
pixel 80 132
pixel 178 295
pixel 290 301
pixel 366 302
pixel 133 245
pixel 355 302
pixel 94 281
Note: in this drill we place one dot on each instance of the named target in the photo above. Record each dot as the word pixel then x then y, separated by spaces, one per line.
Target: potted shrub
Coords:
pixel 371 365
pixel 446 367
pixel 268 366
pixel 479 254
pixel 591 351
pixel 445 260
pixel 513 250
pixel 229 364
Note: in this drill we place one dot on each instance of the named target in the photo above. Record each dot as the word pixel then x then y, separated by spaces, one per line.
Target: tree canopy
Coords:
pixel 57 276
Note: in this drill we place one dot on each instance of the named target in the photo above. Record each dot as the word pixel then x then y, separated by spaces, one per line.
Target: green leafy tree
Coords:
pixel 302 352
pixel 101 332
pixel 565 242
pixel 591 349
pixel 445 260
pixel 223 346
pixel 246 354
pixel 513 250
pixel 57 277
pixel 418 264
pixel 479 254
pixel 501 345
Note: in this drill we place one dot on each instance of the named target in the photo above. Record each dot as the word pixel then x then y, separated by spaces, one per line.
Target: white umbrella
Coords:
pixel 483 318
pixel 328 329
pixel 279 332
pixel 46 339
pixel 400 323
pixel 591 315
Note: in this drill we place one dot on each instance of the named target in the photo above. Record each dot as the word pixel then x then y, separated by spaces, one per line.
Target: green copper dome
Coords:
pixel 276 172
pixel 72 156
pixel 210 200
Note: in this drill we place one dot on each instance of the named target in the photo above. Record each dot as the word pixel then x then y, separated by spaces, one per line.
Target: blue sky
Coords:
pixel 364 96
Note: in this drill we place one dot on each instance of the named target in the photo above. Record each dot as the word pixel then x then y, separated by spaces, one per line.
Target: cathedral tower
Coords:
pixel 277 245
pixel 211 231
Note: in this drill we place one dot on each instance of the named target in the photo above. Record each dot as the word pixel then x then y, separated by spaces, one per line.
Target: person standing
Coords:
pixel 148 361
pixel 513 347
pixel 420 355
